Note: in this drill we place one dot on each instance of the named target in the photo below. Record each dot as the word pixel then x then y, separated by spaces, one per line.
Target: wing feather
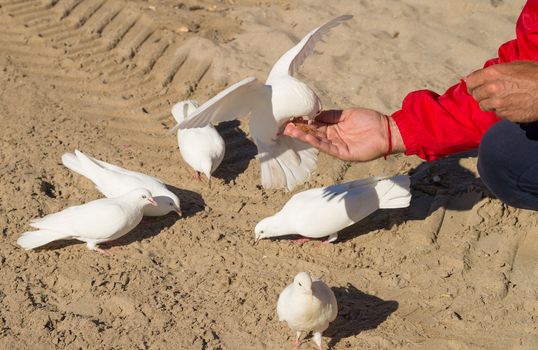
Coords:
pixel 238 100
pixel 290 62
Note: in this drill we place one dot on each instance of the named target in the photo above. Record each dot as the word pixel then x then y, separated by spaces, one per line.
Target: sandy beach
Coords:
pixel 456 270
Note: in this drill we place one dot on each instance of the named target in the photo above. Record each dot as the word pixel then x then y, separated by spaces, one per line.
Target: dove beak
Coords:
pixel 152 201
pixel 178 211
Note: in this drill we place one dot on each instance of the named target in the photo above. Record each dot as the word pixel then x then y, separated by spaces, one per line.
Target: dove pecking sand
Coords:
pixel 114 181
pixel 202 148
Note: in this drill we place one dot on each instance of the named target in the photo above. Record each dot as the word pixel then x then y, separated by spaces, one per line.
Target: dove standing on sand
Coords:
pixel 95 222
pixel 202 148
pixel 285 162
pixel 113 181
pixel 307 305
pixel 324 211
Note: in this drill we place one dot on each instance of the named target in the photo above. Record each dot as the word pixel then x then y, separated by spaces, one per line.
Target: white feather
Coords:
pixel 114 181
pixel 95 222
pixel 270 106
pixel 201 148
pixel 322 212
pixel 304 311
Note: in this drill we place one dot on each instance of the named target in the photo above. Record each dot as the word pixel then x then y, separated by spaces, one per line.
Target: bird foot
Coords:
pixel 197 176
pixel 301 241
pixel 296 343
pixel 103 251
pixel 106 250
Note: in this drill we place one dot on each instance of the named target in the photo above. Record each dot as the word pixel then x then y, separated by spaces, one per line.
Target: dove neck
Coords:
pixel 275 227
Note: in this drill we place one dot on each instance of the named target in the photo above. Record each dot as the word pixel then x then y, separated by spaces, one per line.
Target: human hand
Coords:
pixel 508 89
pixel 352 134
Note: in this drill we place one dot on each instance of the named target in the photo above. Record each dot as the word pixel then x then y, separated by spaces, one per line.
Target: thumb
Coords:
pixel 333 116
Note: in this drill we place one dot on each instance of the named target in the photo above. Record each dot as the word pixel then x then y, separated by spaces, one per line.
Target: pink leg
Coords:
pixel 103 251
pixel 296 343
pixel 301 240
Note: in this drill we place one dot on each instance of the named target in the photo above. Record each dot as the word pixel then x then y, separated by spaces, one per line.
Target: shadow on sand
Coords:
pixel 239 151
pixel 357 312
pixel 439 184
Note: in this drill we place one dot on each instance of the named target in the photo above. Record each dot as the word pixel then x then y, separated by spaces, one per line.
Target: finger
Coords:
pixel 293 131
pixel 330 117
pixel 481 77
pixel 483 92
pixel 490 104
pixel 476 78
pixel 322 144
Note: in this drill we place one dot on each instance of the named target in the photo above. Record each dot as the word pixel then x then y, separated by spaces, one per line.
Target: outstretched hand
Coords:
pixel 508 89
pixel 356 134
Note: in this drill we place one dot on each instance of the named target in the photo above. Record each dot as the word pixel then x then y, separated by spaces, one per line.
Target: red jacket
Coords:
pixel 434 126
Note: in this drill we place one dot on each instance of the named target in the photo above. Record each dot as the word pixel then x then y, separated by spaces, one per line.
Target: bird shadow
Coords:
pixel 444 183
pixel 357 312
pixel 191 203
pixel 240 150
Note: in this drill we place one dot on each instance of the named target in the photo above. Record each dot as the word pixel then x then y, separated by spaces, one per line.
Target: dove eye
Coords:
pixel 300 284
pixel 144 196
pixel 171 204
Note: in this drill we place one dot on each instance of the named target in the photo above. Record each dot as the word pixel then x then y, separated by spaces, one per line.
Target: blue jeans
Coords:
pixel 508 163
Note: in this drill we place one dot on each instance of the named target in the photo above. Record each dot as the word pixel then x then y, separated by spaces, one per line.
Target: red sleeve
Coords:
pixel 433 126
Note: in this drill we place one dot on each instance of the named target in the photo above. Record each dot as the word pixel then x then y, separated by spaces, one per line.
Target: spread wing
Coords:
pixel 236 101
pixel 290 62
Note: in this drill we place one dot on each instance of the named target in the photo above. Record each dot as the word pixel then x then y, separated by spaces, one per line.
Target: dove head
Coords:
pixel 140 197
pixel 183 109
pixel 271 227
pixel 303 283
pixel 168 203
pixel 293 98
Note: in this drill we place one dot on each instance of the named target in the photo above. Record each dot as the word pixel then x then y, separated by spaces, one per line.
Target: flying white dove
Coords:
pixel 324 211
pixel 285 162
pixel 113 181
pixel 95 222
pixel 307 305
pixel 201 148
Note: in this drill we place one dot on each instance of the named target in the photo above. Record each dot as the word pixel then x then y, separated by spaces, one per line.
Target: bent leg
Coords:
pixel 508 163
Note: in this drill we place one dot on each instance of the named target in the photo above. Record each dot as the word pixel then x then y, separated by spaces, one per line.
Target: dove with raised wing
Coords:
pixel 95 222
pixel 322 212
pixel 114 181
pixel 285 162
pixel 307 305
pixel 201 148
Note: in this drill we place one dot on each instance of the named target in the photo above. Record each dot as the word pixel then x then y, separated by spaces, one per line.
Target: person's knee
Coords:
pixel 494 158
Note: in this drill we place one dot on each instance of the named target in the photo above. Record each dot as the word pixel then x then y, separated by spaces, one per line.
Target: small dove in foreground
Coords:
pixel 202 148
pixel 307 305
pixel 114 181
pixel 324 211
pixel 95 222
pixel 285 162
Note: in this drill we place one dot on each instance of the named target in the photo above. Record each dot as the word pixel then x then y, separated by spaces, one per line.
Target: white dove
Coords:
pixel 321 212
pixel 113 181
pixel 307 305
pixel 285 162
pixel 95 222
pixel 201 148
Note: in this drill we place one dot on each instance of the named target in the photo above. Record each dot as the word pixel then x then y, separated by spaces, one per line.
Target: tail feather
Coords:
pixel 394 192
pixel 286 163
pixel 71 161
pixel 33 239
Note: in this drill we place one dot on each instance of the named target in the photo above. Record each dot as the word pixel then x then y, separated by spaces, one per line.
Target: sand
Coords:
pixel 456 270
